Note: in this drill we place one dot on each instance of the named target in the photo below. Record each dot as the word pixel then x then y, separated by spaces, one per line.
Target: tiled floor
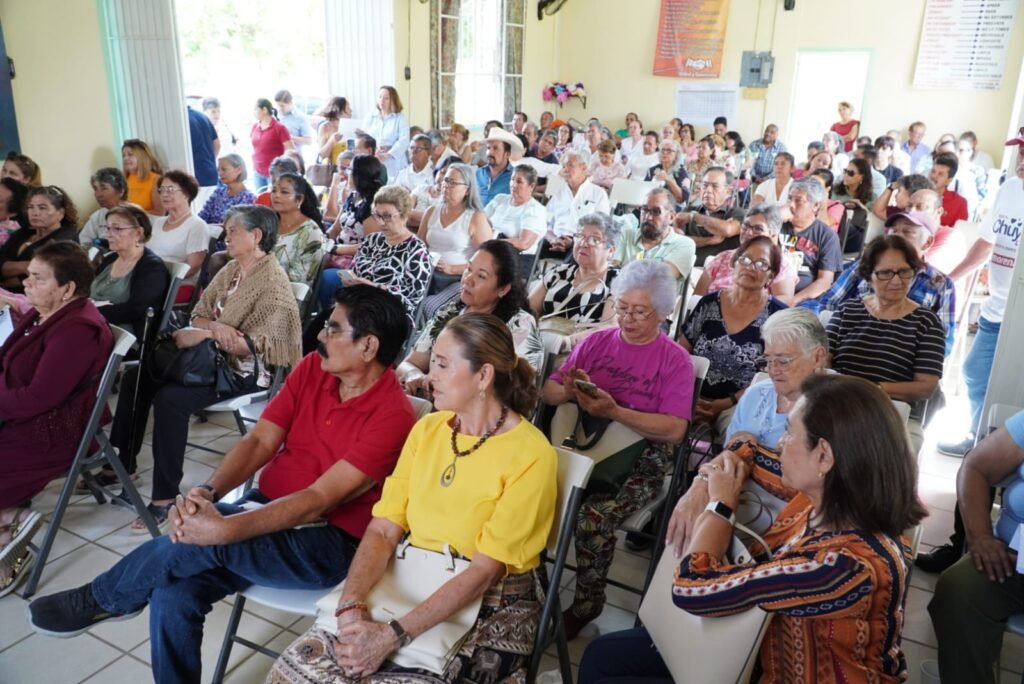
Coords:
pixel 93 537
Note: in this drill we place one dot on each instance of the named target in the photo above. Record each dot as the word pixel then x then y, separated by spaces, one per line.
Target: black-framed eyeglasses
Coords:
pixel 385 218
pixel 754 228
pixel 886 274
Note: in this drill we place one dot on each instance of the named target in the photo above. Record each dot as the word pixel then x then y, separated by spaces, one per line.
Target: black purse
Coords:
pixel 203 365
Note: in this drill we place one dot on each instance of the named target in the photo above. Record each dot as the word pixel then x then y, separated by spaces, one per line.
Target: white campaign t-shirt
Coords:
pixel 1002 227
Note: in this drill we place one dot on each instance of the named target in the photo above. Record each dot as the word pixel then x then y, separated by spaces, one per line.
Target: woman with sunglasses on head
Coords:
pixel 886 337
pixel 725 328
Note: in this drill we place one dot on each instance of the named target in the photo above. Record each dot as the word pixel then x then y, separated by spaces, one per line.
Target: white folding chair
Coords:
pixel 876 228
pixel 825 315
pixel 297 601
pixel 554 185
pixel 631 193
pixel 178 271
pixel 86 460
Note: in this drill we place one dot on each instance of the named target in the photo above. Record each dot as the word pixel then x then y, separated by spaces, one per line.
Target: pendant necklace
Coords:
pixel 448 476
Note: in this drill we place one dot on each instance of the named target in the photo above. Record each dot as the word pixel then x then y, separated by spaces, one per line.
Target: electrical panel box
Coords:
pixel 757 69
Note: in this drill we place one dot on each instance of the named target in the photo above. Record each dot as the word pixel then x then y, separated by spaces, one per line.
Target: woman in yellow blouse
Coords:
pixel 141 171
pixel 475 475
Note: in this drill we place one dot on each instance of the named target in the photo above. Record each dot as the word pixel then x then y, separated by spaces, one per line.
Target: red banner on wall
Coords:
pixel 691 38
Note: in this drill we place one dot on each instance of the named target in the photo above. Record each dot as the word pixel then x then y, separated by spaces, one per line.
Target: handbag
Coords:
pixel 614 447
pixel 691 645
pixel 203 365
pixel 413 576
pixel 556 328
pixel 321 172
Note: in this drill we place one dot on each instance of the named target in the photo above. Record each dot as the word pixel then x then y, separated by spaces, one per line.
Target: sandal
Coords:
pixel 159 514
pixel 19 571
pixel 22 530
pixel 104 478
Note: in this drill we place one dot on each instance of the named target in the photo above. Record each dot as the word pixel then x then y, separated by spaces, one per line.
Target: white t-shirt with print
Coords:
pixel 1002 227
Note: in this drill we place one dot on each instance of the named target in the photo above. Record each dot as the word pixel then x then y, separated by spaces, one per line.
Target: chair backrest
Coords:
pixel 876 227
pixel 759 376
pixel 300 291
pixel 631 192
pixel 123 341
pixel 825 315
pixel 177 270
pixel 420 406
pixel 555 185
pixel 997 416
pixel 691 304
pixel 573 471
pixel 902 408
pixel 701 366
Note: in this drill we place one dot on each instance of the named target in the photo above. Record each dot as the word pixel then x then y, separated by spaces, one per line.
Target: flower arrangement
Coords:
pixel 561 92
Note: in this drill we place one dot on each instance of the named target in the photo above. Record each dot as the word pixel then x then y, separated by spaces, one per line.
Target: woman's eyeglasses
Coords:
pixel 635 314
pixel 759 264
pixel 385 218
pixel 589 240
pixel 119 229
pixel 780 362
pixel 889 274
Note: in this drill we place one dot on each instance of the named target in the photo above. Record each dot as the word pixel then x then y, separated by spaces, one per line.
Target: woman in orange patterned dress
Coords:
pixel 837 583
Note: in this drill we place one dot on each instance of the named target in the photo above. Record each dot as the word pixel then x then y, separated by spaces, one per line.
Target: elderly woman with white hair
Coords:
pixel 231 191
pixel 634 375
pixel 574 299
pixel 795 347
pixel 671 170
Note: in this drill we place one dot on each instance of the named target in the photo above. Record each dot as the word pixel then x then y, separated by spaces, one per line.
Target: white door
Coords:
pixel 822 80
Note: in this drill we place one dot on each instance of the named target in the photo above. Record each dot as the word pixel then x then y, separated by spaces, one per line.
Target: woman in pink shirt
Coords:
pixel 761 219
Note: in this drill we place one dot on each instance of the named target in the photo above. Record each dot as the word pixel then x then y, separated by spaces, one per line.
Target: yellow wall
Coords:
pixel 608 45
pixel 60 93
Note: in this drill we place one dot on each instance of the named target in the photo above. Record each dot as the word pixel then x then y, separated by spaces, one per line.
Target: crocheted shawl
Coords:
pixel 263 307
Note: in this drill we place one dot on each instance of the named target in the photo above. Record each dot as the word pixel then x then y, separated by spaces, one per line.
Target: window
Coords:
pixel 476 78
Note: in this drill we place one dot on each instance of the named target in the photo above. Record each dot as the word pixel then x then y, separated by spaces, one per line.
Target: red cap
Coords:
pixel 1019 140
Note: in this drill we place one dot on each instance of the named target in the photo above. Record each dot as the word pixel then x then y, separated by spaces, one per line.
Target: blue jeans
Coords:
pixel 330 280
pixel 181 582
pixel 260 180
pixel 623 658
pixel 978 366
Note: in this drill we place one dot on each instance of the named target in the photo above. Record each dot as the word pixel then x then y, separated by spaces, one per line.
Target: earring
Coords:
pixel 821 476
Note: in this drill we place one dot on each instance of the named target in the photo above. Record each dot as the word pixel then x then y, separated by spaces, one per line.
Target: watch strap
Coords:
pixel 722 510
pixel 403 637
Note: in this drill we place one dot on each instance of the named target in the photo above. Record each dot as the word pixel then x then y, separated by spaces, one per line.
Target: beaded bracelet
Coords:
pixel 350 605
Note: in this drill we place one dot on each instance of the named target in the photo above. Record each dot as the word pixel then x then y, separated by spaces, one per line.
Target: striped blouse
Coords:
pixel 838 600
pixel 885 350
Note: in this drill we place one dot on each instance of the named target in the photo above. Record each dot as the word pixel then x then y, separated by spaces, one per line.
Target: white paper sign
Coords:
pixel 963 44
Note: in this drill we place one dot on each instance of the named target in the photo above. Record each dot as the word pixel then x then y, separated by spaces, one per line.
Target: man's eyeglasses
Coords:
pixel 332 329
pixel 653 211
pixel 888 274
pixel 759 264
pixel 589 240
pixel 635 314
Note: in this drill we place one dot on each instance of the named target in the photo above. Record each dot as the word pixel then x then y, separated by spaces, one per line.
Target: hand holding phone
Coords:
pixel 347 275
pixel 588 388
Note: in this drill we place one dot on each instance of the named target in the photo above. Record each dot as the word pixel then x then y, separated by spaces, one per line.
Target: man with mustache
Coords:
pixel 493 178
pixel 655 238
pixel 328 440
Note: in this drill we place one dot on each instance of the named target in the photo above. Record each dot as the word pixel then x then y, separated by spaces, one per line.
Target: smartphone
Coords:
pixel 588 388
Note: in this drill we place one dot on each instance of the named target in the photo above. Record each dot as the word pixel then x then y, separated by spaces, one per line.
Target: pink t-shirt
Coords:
pixel 720 271
pixel 656 377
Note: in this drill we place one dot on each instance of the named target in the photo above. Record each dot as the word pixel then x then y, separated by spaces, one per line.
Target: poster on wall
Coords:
pixel 701 104
pixel 691 38
pixel 963 44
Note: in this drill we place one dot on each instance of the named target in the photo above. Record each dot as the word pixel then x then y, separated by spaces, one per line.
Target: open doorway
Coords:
pixel 822 79
pixel 240 51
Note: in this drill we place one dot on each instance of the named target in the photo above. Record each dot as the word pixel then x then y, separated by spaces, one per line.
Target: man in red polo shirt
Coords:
pixel 328 439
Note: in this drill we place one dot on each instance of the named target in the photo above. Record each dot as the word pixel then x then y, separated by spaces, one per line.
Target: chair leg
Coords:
pixel 240 423
pixel 229 640
pixel 51 534
pixel 114 462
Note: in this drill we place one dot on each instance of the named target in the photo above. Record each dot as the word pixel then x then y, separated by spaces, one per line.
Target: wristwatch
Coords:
pixel 403 637
pixel 208 487
pixel 722 510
